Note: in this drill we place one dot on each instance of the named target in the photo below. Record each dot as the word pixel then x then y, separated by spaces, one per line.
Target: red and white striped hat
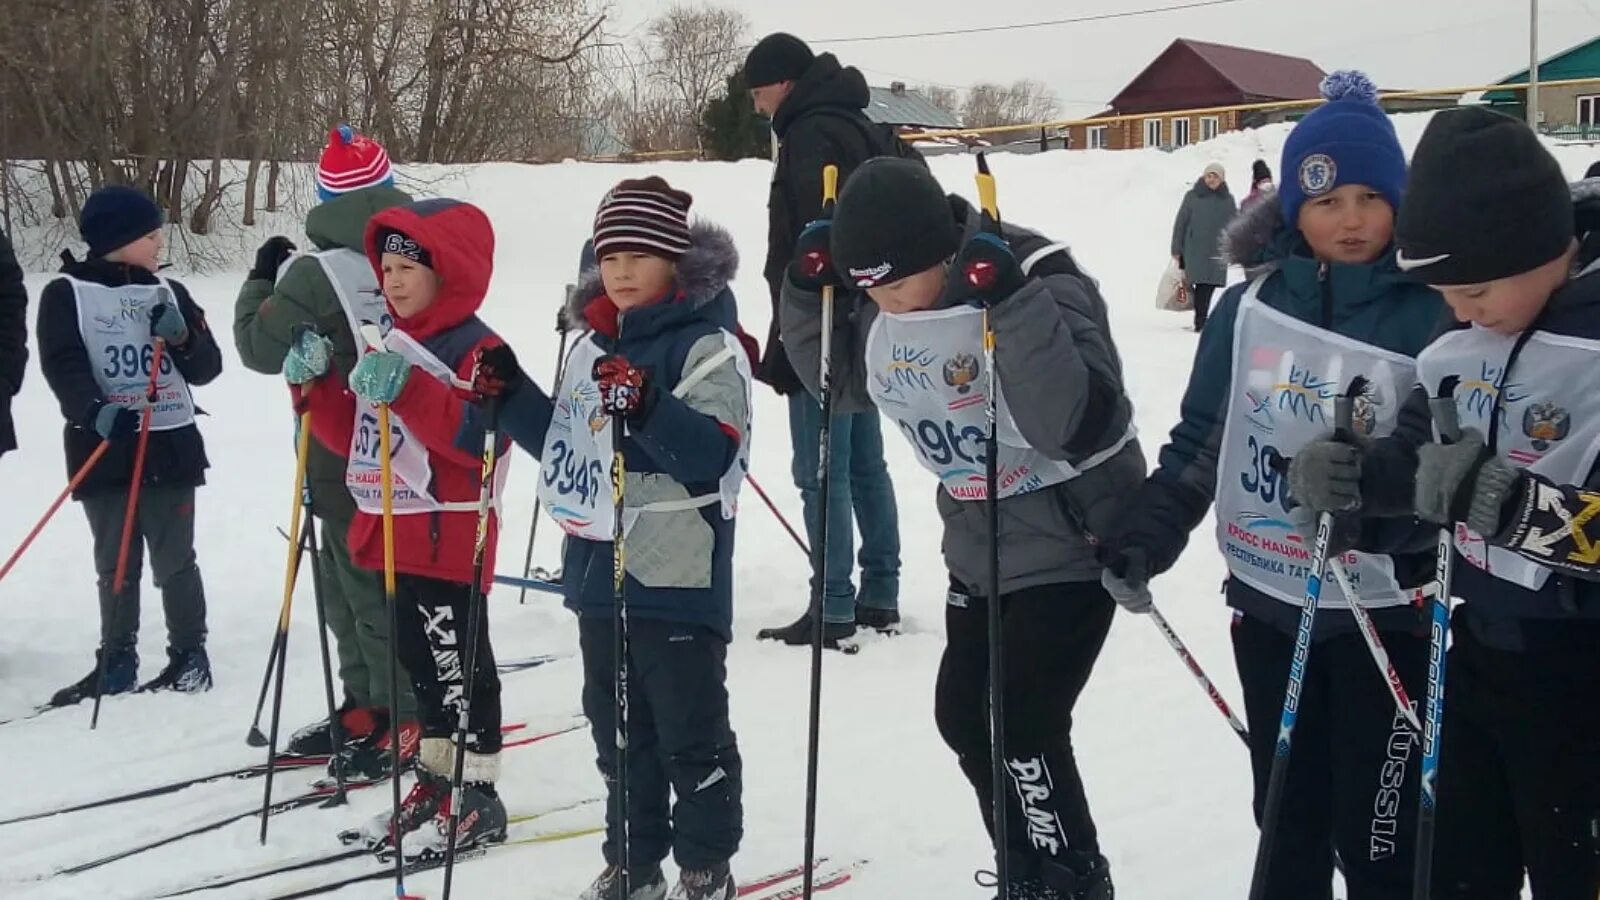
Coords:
pixel 643 215
pixel 351 162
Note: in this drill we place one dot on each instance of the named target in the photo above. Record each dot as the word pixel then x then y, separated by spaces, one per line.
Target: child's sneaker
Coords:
pixel 187 672
pixel 705 884
pixel 483 821
pixel 122 675
pixel 428 795
pixel 644 884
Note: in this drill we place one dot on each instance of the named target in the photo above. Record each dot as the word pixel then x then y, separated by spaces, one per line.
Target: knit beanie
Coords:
pixel 351 162
pixel 643 215
pixel 777 57
pixel 893 220
pixel 1487 201
pixel 1215 168
pixel 1260 171
pixel 116 216
pixel 393 240
pixel 1348 140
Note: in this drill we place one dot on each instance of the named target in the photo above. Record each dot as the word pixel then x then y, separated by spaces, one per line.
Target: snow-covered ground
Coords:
pixel 1168 782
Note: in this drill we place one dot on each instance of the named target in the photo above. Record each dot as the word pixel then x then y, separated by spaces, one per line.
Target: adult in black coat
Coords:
pixel 13 339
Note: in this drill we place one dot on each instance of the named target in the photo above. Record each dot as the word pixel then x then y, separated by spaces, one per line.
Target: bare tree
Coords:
pixel 944 98
pixel 1023 102
pixel 693 49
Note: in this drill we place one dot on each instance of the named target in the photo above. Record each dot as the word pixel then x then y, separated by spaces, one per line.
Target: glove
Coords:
pixel 308 357
pixel 116 423
pixel 812 268
pixel 1345 536
pixel 1126 578
pixel 1325 476
pixel 380 376
pixel 1464 482
pixel 625 389
pixel 498 373
pixel 987 271
pixel 166 322
pixel 270 257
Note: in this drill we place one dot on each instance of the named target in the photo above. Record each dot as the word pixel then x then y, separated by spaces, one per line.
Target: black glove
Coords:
pixel 625 389
pixel 113 422
pixel 498 373
pixel 812 267
pixel 271 256
pixel 986 271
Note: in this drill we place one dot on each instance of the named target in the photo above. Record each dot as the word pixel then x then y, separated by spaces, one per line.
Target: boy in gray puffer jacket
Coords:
pixel 910 342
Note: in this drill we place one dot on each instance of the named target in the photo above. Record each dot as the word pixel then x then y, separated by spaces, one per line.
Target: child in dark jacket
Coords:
pixel 662 358
pixel 434 259
pixel 1325 302
pixel 100 327
pixel 909 342
pixel 1489 221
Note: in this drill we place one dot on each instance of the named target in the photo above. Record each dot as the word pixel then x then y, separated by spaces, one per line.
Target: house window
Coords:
pixel 1209 127
pixel 1589 110
pixel 1097 137
pixel 1152 132
pixel 1180 132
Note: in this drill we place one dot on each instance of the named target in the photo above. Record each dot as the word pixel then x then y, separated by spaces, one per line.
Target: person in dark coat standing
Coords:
pixel 13 339
pixel 1197 235
pixel 816 110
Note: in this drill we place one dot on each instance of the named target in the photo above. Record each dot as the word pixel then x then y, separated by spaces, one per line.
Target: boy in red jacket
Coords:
pixel 434 260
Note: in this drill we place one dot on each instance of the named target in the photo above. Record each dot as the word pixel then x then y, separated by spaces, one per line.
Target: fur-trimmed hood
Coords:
pixel 704 271
pixel 1252 239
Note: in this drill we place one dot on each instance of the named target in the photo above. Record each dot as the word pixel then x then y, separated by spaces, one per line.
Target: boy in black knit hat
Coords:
pixel 1492 224
pixel 909 342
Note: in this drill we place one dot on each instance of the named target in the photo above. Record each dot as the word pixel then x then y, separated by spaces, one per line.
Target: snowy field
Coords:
pixel 1168 782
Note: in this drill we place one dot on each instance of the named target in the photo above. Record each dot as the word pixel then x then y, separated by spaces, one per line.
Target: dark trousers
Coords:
pixel 1201 294
pixel 1052 635
pixel 679 741
pixel 1353 781
pixel 1519 772
pixel 432 623
pixel 165 524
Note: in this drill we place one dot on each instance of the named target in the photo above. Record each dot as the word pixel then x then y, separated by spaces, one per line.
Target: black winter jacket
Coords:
pixel 176 457
pixel 13 339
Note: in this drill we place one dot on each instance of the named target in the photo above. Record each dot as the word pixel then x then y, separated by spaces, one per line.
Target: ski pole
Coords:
pixel 1278 776
pixel 1446 423
pixel 991 478
pixel 561 364
pixel 474 624
pixel 119 581
pixel 1380 654
pixel 335 726
pixel 781 520
pixel 290 569
pixel 619 646
pixel 1199 675
pixel 819 553
pixel 72 485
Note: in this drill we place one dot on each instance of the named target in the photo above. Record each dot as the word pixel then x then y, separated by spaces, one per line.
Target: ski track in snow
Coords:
pixel 1168 782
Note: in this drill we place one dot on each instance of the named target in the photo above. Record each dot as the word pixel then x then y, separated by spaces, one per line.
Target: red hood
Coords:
pixel 461 241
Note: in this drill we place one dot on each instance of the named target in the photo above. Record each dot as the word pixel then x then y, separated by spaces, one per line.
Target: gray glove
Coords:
pixel 116 423
pixel 1325 476
pixel 1463 482
pixel 1129 584
pixel 166 322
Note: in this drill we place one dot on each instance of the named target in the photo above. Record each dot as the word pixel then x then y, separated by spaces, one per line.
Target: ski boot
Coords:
pixel 187 672
pixel 835 635
pixel 122 675
pixel 1078 876
pixel 883 621
pixel 355 722
pixel 643 884
pixel 482 822
pixel 428 795
pixel 367 759
pixel 705 884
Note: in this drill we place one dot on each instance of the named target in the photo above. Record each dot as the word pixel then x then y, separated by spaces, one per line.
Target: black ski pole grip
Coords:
pixel 1442 406
pixel 1344 409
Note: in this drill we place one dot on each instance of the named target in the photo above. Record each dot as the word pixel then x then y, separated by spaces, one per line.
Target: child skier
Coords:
pixel 661 359
pixel 1325 302
pixel 909 341
pixel 435 259
pixel 331 290
pixel 99 327
pixel 1489 221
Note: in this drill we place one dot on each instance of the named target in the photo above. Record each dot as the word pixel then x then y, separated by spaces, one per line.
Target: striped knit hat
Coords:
pixel 644 215
pixel 351 162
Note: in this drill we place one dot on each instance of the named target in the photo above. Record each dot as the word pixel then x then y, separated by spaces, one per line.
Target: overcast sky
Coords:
pixel 1401 43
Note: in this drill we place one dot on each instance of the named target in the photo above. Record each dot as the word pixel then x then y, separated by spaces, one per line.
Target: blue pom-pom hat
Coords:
pixel 1348 140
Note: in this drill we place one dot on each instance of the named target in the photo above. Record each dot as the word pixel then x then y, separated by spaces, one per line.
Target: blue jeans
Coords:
pixel 860 494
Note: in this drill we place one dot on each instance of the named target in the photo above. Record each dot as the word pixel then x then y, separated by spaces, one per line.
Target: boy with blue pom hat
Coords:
pixel 1325 301
pixel 100 326
pixel 331 289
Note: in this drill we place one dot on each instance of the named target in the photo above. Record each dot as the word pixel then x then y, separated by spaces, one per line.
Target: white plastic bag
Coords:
pixel 1172 294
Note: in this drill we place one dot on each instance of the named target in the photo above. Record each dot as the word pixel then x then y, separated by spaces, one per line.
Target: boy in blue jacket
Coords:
pixel 1325 302
pixel 1492 224
pixel 661 359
